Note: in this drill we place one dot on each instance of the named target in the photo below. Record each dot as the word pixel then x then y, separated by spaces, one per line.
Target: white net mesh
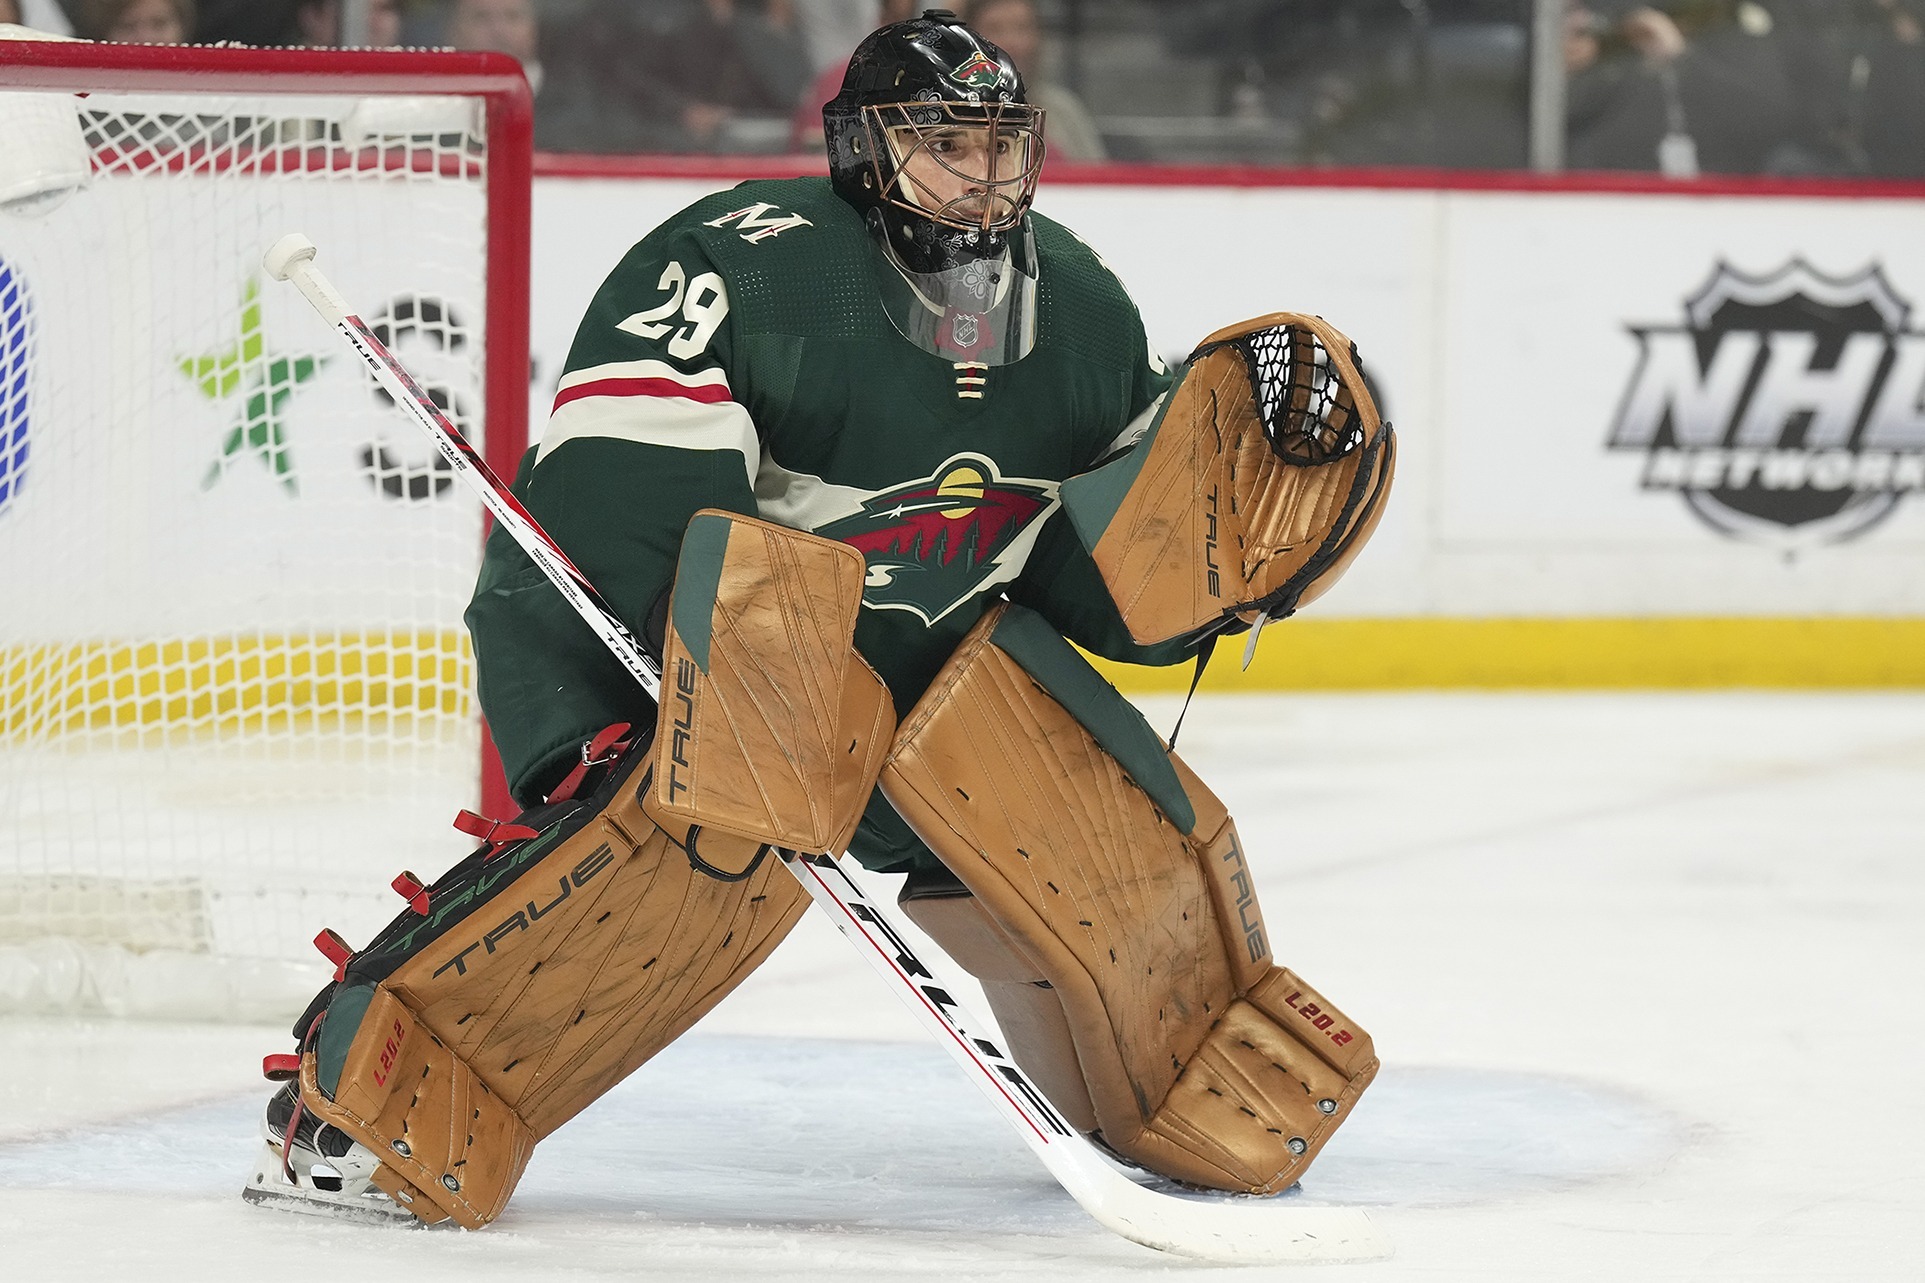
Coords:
pixel 235 693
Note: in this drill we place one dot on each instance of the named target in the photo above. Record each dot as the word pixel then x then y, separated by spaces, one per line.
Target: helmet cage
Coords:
pixel 993 202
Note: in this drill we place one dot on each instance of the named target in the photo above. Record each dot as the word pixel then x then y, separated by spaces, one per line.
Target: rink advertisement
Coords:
pixel 1620 408
pixel 1784 409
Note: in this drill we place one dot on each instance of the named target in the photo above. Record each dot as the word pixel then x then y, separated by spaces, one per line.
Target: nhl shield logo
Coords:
pixel 1787 409
pixel 935 543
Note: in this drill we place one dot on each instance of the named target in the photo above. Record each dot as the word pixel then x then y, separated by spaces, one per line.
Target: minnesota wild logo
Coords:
pixel 934 543
pixel 980 72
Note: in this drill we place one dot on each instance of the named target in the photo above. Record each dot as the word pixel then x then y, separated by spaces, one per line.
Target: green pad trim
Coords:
pixel 1040 650
pixel 1092 498
pixel 343 1021
pixel 698 578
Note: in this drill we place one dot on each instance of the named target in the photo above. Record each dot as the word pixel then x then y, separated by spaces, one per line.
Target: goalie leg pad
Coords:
pixel 542 974
pixel 1104 869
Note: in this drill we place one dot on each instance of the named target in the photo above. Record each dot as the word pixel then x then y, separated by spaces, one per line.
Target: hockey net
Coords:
pixel 235 694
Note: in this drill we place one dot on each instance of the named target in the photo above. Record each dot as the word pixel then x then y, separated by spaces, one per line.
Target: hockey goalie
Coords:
pixel 860 459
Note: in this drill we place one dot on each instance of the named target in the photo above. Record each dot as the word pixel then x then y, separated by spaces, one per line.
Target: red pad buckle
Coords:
pixel 497 833
pixel 409 888
pixel 334 949
pixel 607 745
pixel 281 1066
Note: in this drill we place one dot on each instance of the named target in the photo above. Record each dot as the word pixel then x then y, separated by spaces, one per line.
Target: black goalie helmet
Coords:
pixel 934 144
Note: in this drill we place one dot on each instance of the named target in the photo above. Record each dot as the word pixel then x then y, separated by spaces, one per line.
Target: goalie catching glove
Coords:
pixel 1253 488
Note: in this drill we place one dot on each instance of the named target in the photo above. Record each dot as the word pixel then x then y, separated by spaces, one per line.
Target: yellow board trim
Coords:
pixel 234 684
pixel 247 684
pixel 1614 654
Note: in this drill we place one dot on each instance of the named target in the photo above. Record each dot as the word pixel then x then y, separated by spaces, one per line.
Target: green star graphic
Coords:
pixel 267 382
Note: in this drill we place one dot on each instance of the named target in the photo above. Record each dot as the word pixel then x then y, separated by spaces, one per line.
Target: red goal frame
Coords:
pixel 79 66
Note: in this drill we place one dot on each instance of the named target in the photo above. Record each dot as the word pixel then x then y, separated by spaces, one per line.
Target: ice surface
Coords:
pixel 1644 972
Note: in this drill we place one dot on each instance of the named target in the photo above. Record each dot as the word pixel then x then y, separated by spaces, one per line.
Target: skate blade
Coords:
pixel 357 1209
pixel 267 1187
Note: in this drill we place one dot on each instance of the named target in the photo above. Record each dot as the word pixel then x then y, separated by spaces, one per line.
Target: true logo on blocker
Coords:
pixel 1786 409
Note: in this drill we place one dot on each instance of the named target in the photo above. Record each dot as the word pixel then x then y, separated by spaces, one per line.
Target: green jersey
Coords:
pixel 739 357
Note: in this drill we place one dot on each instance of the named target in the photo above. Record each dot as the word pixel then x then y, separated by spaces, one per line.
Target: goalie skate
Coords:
pixel 323 1172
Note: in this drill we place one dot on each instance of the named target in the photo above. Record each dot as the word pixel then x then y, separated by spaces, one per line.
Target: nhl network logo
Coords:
pixel 1786 410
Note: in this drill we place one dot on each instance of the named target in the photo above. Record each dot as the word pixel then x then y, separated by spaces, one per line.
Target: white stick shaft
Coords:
pixel 292 259
pixel 1214 1230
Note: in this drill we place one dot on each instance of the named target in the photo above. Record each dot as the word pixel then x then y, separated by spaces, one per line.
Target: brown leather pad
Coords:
pixel 576 955
pixel 1194 1052
pixel 1253 489
pixel 447 1137
pixel 772 727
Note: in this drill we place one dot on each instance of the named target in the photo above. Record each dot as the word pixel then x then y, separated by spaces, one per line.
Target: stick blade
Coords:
pixel 1231 1228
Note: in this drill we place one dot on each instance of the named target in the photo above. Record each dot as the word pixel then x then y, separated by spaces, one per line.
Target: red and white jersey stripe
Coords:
pixel 653 403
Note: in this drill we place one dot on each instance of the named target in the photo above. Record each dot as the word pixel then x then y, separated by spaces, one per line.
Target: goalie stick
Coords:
pixel 1221 1227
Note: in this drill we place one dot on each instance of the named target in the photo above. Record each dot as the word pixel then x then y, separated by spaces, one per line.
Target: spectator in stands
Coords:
pixel 45 16
pixel 578 104
pixel 805 124
pixel 292 22
pixel 318 22
pixel 1886 107
pixel 506 26
pixel 1859 71
pixel 1645 94
pixel 734 61
pixel 831 29
pixel 691 75
pixel 1069 132
pixel 145 22
pixel 36 15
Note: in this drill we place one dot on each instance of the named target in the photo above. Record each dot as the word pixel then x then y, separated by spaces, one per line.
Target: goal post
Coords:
pixel 236 696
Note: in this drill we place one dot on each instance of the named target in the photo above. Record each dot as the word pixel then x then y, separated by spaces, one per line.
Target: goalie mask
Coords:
pixel 933 142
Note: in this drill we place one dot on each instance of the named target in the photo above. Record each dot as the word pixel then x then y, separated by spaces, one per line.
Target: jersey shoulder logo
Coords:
pixel 936 542
pixel 758 222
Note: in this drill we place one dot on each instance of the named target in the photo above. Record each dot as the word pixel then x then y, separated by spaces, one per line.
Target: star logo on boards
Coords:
pixel 265 382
